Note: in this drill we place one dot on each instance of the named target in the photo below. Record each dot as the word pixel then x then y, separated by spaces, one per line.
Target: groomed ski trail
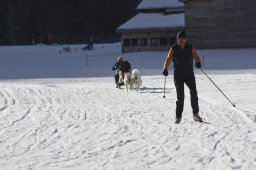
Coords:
pixel 90 124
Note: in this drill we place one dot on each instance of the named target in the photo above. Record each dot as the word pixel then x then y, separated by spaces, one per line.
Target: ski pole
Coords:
pixel 164 86
pixel 233 104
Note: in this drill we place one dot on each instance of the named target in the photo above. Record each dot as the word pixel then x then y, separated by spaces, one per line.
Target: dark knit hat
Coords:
pixel 181 34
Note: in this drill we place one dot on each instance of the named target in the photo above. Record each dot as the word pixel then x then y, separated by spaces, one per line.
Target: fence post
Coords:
pixel 86 60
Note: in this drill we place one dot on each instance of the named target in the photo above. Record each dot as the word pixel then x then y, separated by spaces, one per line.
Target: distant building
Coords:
pixel 162 6
pixel 221 23
pixel 154 28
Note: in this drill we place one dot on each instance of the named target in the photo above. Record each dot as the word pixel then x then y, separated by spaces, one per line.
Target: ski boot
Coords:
pixel 197 118
pixel 177 121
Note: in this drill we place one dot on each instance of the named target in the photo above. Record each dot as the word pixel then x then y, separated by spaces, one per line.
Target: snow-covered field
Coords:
pixel 62 111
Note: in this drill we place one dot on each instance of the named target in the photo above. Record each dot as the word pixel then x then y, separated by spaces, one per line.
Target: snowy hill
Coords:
pixel 61 110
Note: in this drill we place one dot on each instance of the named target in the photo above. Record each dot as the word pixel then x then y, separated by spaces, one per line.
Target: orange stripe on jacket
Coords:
pixel 195 56
pixel 168 59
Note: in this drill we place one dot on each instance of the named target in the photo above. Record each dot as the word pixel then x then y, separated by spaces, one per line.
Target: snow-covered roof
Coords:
pixel 156 4
pixel 152 21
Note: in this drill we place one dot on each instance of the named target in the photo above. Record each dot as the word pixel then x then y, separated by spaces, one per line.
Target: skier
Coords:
pixel 182 55
pixel 89 45
pixel 121 67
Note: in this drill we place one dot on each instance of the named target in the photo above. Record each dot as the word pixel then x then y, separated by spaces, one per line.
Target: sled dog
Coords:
pixel 132 81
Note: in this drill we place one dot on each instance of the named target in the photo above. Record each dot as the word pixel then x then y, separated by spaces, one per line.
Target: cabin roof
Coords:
pixel 153 21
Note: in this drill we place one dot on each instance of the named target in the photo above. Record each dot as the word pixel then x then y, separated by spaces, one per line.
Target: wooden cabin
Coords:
pixel 221 23
pixel 154 28
pixel 150 32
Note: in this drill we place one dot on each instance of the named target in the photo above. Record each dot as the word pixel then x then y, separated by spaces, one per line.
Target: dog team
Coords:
pixel 124 76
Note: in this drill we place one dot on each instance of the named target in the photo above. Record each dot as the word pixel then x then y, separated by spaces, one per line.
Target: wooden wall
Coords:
pixel 221 23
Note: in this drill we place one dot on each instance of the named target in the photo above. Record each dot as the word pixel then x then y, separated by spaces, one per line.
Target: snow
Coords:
pixel 148 4
pixel 61 110
pixel 154 21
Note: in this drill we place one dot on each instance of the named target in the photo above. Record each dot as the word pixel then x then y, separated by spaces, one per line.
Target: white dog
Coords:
pixel 136 79
pixel 132 81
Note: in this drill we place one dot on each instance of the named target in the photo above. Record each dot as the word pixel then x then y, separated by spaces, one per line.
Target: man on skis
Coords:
pixel 122 67
pixel 182 55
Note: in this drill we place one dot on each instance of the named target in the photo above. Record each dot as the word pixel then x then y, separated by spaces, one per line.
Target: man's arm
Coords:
pixel 168 59
pixel 195 56
pixel 114 67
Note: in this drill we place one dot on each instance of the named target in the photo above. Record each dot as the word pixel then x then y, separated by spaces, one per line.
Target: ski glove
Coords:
pixel 165 72
pixel 198 65
pixel 113 68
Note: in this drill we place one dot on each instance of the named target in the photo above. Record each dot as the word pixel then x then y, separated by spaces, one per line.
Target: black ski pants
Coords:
pixel 179 84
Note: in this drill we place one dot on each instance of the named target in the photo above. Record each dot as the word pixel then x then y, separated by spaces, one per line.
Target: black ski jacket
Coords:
pixel 182 59
pixel 123 66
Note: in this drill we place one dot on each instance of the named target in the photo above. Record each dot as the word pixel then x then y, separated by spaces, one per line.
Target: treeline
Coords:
pixel 62 21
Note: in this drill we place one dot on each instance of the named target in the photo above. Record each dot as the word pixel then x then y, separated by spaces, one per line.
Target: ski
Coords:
pixel 203 122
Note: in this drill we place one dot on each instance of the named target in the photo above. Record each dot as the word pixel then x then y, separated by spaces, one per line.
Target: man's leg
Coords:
pixel 179 84
pixel 117 78
pixel 120 77
pixel 191 83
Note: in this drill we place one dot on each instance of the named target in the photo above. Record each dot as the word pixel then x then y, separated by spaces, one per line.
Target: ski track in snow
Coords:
pixel 93 125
